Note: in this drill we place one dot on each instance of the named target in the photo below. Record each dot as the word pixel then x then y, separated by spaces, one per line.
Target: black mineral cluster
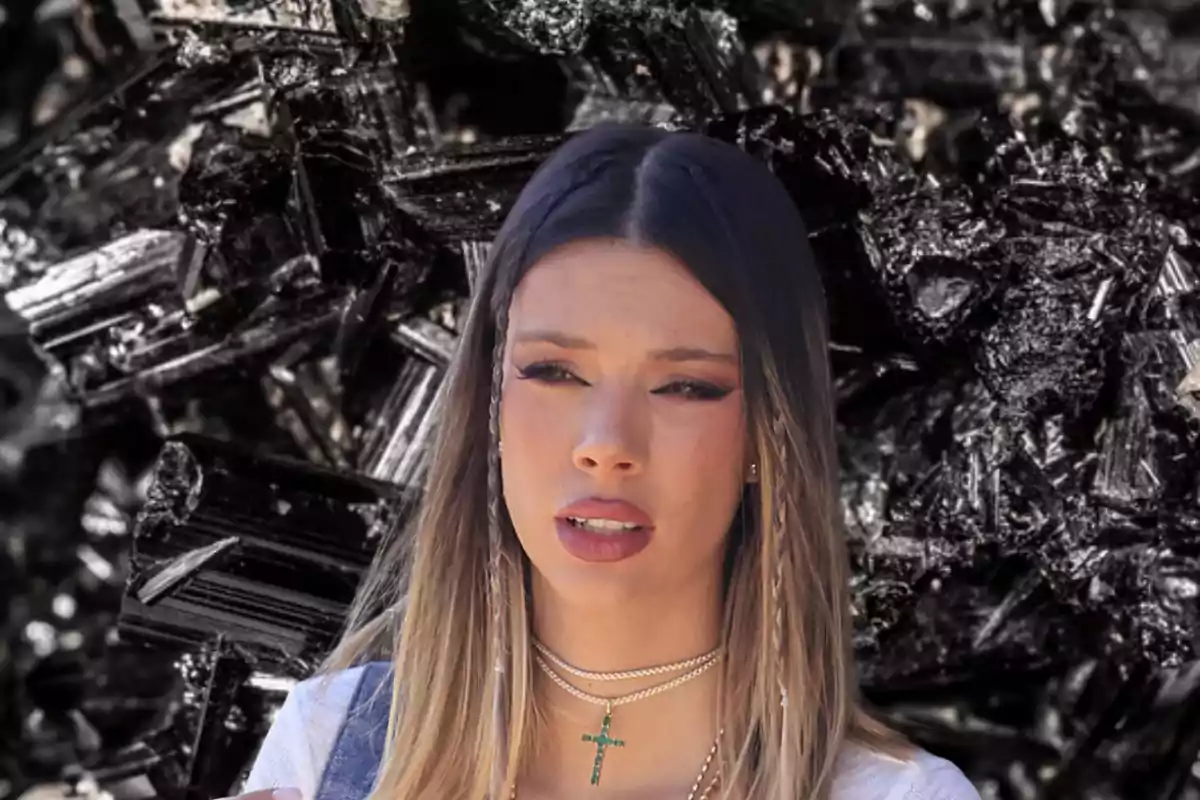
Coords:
pixel 237 238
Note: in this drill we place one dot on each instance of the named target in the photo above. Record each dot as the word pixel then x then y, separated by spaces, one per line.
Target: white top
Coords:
pixel 298 744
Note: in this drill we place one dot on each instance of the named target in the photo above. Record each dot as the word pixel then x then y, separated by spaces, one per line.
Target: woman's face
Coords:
pixel 622 424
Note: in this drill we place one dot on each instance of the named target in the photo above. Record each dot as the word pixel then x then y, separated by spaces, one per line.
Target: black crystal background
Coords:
pixel 236 237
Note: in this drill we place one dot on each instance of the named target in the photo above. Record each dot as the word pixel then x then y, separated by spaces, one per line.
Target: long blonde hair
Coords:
pixel 447 600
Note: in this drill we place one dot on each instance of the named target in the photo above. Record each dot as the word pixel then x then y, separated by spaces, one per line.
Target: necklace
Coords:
pixel 695 793
pixel 602 739
pixel 644 672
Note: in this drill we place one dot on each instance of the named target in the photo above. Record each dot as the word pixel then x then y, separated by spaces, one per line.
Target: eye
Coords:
pixel 547 372
pixel 693 390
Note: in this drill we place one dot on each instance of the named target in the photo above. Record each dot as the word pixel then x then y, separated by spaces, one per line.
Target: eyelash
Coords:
pixel 552 373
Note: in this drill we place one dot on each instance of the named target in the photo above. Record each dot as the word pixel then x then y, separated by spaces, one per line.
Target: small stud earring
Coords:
pixel 754 472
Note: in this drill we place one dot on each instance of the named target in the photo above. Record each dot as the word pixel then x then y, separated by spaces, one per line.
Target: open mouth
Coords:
pixel 597 525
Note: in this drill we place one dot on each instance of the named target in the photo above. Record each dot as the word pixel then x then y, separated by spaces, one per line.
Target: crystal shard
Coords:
pixel 313 15
pixel 233 545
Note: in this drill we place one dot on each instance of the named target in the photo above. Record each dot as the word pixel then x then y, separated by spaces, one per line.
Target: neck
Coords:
pixel 666 736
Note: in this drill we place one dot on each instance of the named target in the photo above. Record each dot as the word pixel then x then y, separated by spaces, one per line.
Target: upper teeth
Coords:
pixel 602 524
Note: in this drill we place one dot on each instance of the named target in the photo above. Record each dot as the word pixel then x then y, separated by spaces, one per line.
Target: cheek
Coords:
pixel 525 417
pixel 533 447
pixel 697 471
pixel 698 462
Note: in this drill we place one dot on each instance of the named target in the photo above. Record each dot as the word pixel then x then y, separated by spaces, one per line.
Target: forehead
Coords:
pixel 597 281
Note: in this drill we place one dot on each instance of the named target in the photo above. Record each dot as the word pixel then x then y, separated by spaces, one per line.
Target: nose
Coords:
pixel 605 457
pixel 610 441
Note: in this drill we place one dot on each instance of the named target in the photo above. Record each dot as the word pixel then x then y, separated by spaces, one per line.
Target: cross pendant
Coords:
pixel 602 741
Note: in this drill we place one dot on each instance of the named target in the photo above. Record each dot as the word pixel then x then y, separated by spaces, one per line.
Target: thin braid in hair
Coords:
pixel 779 526
pixel 495 551
pixel 493 486
pixel 779 551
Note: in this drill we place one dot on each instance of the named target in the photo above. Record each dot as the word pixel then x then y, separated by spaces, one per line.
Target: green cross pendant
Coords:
pixel 602 741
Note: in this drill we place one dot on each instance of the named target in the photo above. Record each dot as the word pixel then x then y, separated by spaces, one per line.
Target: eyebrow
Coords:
pixel 569 342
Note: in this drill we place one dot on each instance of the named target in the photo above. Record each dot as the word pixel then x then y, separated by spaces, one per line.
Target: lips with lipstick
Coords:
pixel 603 529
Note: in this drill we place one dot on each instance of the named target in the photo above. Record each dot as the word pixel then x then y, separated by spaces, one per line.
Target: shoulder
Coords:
pixel 322 696
pixel 864 774
pixel 297 745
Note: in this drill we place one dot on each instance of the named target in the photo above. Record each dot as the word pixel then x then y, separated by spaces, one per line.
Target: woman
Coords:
pixel 628 578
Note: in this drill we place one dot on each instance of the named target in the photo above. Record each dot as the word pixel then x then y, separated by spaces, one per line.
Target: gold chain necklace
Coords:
pixel 622 675
pixel 602 739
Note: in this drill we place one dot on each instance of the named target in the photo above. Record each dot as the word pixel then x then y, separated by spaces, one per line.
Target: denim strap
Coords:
pixel 354 762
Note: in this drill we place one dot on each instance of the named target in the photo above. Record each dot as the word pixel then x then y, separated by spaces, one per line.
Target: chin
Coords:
pixel 594 586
